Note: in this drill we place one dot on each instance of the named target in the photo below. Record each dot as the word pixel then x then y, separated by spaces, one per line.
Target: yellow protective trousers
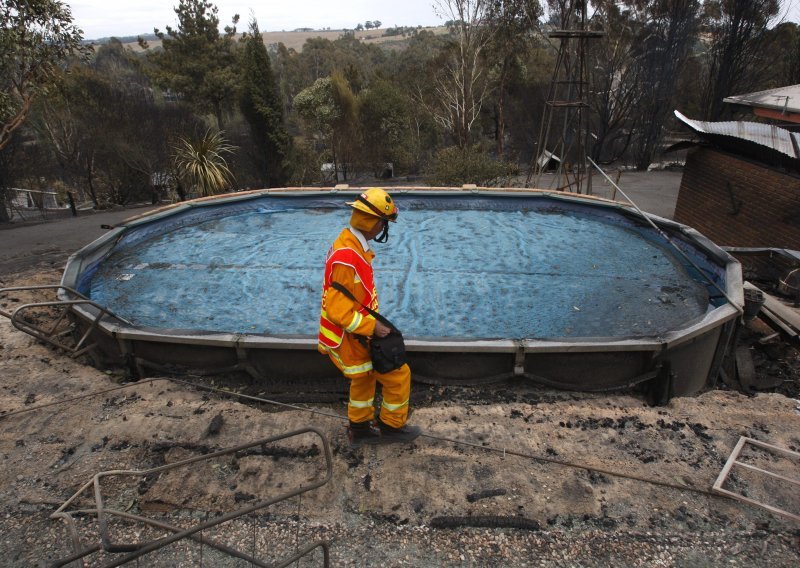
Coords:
pixel 352 358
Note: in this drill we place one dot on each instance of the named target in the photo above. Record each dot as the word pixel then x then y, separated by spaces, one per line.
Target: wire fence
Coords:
pixel 35 205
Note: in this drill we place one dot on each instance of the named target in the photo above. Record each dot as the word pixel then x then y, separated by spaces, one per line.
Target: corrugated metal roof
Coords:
pixel 784 99
pixel 768 135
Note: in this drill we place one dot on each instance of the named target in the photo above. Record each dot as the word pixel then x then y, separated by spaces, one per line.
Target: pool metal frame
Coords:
pixel 692 355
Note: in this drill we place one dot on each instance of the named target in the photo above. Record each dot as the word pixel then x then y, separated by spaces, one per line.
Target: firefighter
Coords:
pixel 345 325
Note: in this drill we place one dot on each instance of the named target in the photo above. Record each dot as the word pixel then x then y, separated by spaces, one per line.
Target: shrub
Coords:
pixel 455 166
pixel 305 164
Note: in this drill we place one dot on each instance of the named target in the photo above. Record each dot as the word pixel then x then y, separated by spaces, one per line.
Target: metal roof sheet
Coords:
pixel 785 99
pixel 768 135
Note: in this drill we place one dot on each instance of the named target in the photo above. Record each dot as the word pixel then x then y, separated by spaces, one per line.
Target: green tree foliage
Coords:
pixel 261 106
pixel 738 29
pixel 415 66
pixel 512 24
pixel 69 122
pixel 386 122
pixel 777 62
pixel 461 83
pixel 400 31
pixel 346 132
pixel 317 109
pixel 320 57
pixel 317 59
pixel 197 62
pixel 306 163
pixel 201 165
pixel 287 75
pixel 479 88
pixel 329 110
pixel 413 71
pixel 35 38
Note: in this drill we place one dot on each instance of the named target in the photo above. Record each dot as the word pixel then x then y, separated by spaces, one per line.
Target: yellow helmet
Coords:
pixel 376 202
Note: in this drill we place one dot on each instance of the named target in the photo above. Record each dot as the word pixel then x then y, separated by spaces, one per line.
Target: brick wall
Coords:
pixel 739 203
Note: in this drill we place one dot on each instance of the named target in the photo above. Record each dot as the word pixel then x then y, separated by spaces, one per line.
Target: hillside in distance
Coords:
pixel 296 39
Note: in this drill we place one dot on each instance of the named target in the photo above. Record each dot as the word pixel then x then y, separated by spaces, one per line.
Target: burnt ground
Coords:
pixel 507 475
pixel 776 360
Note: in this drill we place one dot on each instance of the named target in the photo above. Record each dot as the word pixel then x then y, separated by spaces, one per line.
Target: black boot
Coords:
pixel 363 433
pixel 402 435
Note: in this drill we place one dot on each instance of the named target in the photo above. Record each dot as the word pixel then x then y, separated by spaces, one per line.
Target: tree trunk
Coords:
pixel 4 216
pixel 335 164
pixel 218 115
pixel 90 180
pixel 501 125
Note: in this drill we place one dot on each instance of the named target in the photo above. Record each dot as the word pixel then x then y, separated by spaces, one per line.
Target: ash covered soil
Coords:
pixel 472 493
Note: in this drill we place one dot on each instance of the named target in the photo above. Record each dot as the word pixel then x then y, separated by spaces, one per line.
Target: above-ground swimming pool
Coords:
pixel 570 291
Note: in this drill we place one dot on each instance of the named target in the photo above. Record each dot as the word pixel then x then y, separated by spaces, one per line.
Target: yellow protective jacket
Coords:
pixel 349 264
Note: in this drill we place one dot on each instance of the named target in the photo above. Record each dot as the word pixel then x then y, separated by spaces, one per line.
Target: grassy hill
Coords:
pixel 296 39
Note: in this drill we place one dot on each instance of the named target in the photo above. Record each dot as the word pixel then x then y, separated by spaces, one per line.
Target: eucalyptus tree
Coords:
pixel 287 74
pixel 778 60
pixel 738 30
pixel 461 83
pixel 316 59
pixel 320 57
pixel 11 170
pixel 662 48
pixel 387 126
pixel 329 111
pixel 36 37
pixel 261 106
pixel 196 61
pixel 512 24
pixel 414 70
pixel 69 124
pixel 615 90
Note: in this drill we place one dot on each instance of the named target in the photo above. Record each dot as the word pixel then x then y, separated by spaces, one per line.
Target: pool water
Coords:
pixel 510 272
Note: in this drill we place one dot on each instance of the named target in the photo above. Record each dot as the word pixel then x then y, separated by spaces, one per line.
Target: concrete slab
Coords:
pixel 653 192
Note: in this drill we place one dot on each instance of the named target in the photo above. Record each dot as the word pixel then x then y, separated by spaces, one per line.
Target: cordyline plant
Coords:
pixel 201 164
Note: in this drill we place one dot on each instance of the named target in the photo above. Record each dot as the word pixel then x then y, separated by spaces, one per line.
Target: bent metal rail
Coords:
pixel 138 549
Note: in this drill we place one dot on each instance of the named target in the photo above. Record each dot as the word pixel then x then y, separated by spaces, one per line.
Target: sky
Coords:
pixel 105 18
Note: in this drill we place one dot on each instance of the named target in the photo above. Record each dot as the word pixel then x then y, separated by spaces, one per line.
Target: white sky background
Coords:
pixel 104 18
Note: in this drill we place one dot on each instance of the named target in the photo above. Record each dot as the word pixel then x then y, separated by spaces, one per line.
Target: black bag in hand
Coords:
pixel 387 353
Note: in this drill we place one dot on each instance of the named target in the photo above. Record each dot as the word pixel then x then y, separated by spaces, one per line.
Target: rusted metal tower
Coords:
pixel 563 129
